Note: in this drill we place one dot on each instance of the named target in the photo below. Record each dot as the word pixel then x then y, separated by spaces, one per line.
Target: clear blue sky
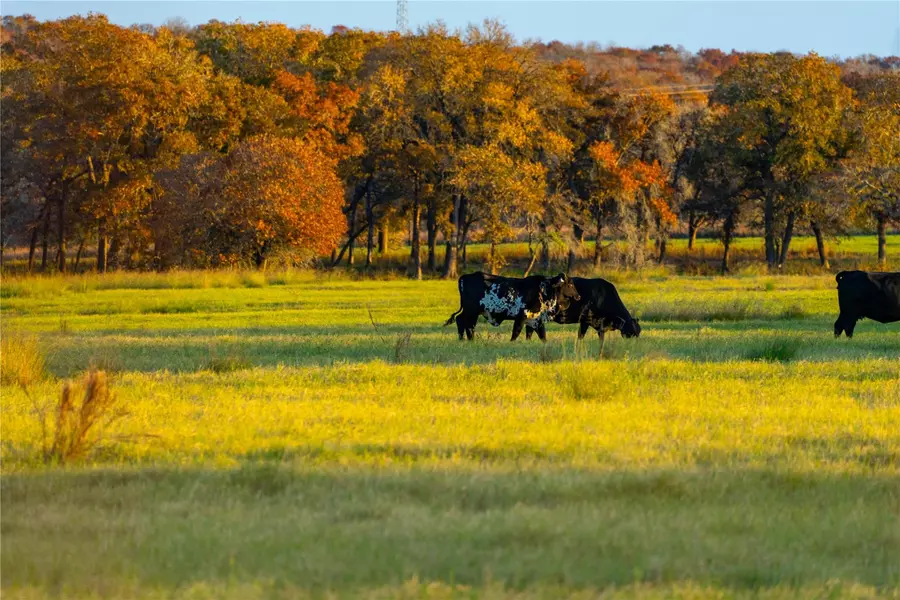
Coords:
pixel 831 28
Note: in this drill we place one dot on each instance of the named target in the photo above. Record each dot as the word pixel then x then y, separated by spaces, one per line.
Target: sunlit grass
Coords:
pixel 736 448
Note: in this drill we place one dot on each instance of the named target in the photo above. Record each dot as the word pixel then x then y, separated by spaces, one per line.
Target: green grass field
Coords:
pixel 293 448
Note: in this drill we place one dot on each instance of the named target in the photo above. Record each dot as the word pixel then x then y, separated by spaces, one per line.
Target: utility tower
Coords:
pixel 402 16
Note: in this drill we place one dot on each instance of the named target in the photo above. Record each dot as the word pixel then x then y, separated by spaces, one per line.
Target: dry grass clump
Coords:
pixel 227 362
pixel 21 360
pixel 401 341
pixel 81 421
pixel 784 350
pixel 401 347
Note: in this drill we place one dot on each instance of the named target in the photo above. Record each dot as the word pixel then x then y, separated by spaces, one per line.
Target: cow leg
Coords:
pixel 849 326
pixel 465 324
pixel 582 328
pixel 470 327
pixel 844 324
pixel 602 334
pixel 542 332
pixel 528 331
pixel 517 327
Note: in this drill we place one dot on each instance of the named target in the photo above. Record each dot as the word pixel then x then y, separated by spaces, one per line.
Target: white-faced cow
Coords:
pixel 530 301
pixel 600 307
pixel 863 295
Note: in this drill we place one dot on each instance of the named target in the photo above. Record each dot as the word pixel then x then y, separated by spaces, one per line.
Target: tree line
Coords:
pixel 240 144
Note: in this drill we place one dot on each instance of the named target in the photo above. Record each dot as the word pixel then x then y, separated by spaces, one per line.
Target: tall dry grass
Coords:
pixel 21 360
pixel 83 419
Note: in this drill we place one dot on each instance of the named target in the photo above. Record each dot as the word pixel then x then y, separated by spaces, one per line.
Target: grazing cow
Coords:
pixel 599 307
pixel 532 301
pixel 863 295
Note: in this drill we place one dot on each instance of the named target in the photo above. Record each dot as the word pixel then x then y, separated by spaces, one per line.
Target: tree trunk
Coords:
pixel 820 244
pixel 450 259
pixel 431 227
pixel 33 244
pixel 351 243
pixel 62 233
pixel 530 264
pixel 598 249
pixel 351 237
pixel 769 226
pixel 415 255
pixel 78 254
pixel 882 254
pixel 692 230
pixel 383 235
pixel 463 235
pixel 370 220
pixel 695 222
pixel 662 238
pixel 112 257
pixel 545 248
pixel 45 238
pixel 727 232
pixel 786 239
pixel 465 253
pixel 259 257
pixel 101 246
pixel 578 234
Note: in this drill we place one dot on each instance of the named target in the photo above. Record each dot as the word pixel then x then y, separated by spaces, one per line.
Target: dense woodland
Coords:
pixel 246 144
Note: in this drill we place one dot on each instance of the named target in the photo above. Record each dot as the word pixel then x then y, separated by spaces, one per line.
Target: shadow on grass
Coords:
pixel 352 529
pixel 196 349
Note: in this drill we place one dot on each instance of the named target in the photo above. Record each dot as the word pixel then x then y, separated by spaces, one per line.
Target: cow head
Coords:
pixel 630 328
pixel 563 290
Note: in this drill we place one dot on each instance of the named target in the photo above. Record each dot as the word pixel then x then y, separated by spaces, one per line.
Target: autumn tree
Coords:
pixel 785 114
pixel 96 107
pixel 268 194
pixel 871 175
pixel 500 188
pixel 628 179
pixel 720 191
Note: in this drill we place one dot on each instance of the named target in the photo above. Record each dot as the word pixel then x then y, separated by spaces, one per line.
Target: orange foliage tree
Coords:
pixel 269 194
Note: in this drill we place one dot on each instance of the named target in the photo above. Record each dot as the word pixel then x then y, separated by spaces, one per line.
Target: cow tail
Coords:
pixel 453 316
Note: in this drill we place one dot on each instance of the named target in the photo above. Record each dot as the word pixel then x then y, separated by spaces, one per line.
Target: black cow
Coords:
pixel 532 300
pixel 599 307
pixel 863 295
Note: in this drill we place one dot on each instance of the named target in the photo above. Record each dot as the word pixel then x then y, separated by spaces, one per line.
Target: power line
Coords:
pixel 673 90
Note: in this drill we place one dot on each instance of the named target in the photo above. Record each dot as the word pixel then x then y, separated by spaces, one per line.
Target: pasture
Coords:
pixel 306 435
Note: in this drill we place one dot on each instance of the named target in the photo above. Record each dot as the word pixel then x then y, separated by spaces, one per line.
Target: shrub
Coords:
pixel 21 360
pixel 83 418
